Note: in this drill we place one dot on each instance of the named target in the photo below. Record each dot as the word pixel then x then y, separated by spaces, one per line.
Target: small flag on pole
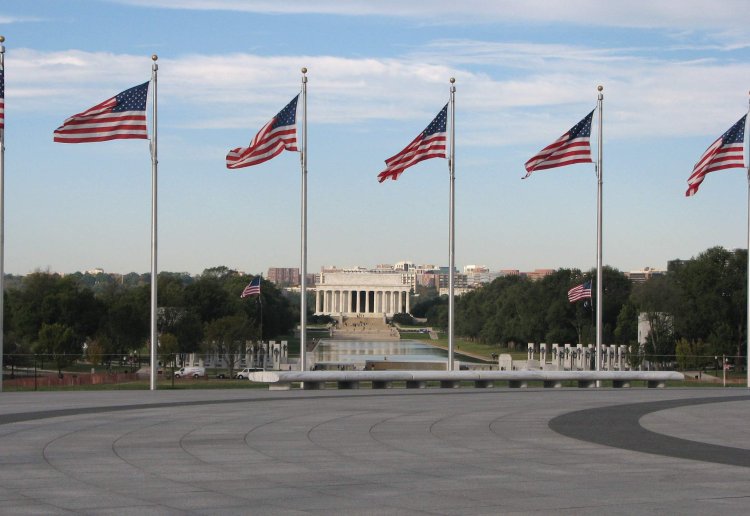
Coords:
pixel 582 291
pixel 726 152
pixel 278 135
pixel 430 143
pixel 121 117
pixel 2 97
pixel 252 289
pixel 572 147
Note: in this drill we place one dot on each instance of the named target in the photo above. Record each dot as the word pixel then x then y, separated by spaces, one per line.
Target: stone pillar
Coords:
pixel 398 303
pixel 408 302
pixel 367 301
pixel 317 301
pixel 356 301
pixel 530 352
pixel 543 353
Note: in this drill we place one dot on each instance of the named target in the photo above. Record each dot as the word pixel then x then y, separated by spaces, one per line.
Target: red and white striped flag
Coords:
pixel 582 291
pixel 122 117
pixel 278 135
pixel 429 144
pixel 252 288
pixel 726 152
pixel 572 147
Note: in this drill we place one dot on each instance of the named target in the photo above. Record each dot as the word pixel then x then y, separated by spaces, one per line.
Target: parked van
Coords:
pixel 194 371
pixel 245 373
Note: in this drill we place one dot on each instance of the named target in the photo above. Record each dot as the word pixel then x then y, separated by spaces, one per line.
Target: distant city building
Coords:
pixel 284 276
pixel 644 274
pixel 538 274
pixel 477 275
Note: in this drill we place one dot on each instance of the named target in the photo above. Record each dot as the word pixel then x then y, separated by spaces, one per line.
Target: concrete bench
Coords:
pixel 282 380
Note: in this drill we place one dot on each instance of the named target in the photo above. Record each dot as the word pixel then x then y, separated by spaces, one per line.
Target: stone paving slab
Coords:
pixel 432 452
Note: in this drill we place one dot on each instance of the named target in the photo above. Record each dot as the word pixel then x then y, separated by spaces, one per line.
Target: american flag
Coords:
pixel 726 152
pixel 572 147
pixel 582 291
pixel 121 117
pixel 2 98
pixel 279 134
pixel 252 289
pixel 430 143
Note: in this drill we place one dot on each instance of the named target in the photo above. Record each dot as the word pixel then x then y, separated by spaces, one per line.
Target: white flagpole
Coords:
pixel 154 169
pixel 452 231
pixel 599 286
pixel 303 235
pixel 2 227
pixel 747 323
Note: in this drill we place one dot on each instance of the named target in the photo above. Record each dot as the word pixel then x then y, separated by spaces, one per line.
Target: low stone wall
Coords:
pixel 68 380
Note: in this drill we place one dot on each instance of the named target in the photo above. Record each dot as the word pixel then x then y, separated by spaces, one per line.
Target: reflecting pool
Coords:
pixel 357 352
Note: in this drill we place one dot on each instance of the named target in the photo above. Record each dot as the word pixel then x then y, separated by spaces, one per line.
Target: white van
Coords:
pixel 195 372
pixel 245 373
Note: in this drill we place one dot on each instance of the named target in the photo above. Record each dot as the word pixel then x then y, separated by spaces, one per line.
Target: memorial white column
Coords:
pixel 408 303
pixel 317 301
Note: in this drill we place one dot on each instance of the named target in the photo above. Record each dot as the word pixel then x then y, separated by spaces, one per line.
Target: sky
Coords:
pixel 676 75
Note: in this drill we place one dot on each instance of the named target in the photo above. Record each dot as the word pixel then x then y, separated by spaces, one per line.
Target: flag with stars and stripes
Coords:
pixel 726 152
pixel 582 291
pixel 430 143
pixel 122 117
pixel 252 289
pixel 572 147
pixel 2 98
pixel 278 135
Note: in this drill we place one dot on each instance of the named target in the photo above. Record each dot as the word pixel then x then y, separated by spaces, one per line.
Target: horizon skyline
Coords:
pixel 377 74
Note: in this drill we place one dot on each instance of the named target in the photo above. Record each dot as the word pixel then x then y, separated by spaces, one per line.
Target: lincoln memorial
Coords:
pixel 362 292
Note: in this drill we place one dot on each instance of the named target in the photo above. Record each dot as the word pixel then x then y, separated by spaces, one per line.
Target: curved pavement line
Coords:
pixel 618 426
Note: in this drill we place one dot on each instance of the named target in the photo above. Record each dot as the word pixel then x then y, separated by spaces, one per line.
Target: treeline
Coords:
pixel 57 317
pixel 698 308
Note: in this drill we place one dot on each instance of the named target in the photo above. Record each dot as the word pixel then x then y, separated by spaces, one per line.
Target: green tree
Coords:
pixel 226 337
pixel 58 342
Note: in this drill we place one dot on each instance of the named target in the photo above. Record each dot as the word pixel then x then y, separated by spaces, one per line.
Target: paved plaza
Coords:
pixel 433 451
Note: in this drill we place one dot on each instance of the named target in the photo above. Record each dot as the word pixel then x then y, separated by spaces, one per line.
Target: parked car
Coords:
pixel 245 373
pixel 194 371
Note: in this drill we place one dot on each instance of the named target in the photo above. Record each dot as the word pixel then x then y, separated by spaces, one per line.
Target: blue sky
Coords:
pixel 676 75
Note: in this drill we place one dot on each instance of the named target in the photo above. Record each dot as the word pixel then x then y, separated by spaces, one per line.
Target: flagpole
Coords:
pixel 747 323
pixel 452 231
pixel 599 286
pixel 303 236
pixel 2 226
pixel 154 173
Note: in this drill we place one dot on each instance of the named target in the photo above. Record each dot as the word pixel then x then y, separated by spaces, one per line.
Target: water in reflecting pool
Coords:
pixel 358 352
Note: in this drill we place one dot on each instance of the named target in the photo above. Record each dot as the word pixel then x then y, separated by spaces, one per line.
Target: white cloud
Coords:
pixel 7 20
pixel 673 14
pixel 506 92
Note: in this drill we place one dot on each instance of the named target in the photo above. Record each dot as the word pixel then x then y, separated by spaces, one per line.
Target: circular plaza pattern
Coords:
pixel 433 451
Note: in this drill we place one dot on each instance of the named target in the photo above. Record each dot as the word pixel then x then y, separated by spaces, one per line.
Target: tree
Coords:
pixel 226 336
pixel 168 348
pixel 59 343
pixel 660 341
pixel 711 306
pixel 626 330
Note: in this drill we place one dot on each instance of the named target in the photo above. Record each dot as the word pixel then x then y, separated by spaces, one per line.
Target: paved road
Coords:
pixel 437 451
